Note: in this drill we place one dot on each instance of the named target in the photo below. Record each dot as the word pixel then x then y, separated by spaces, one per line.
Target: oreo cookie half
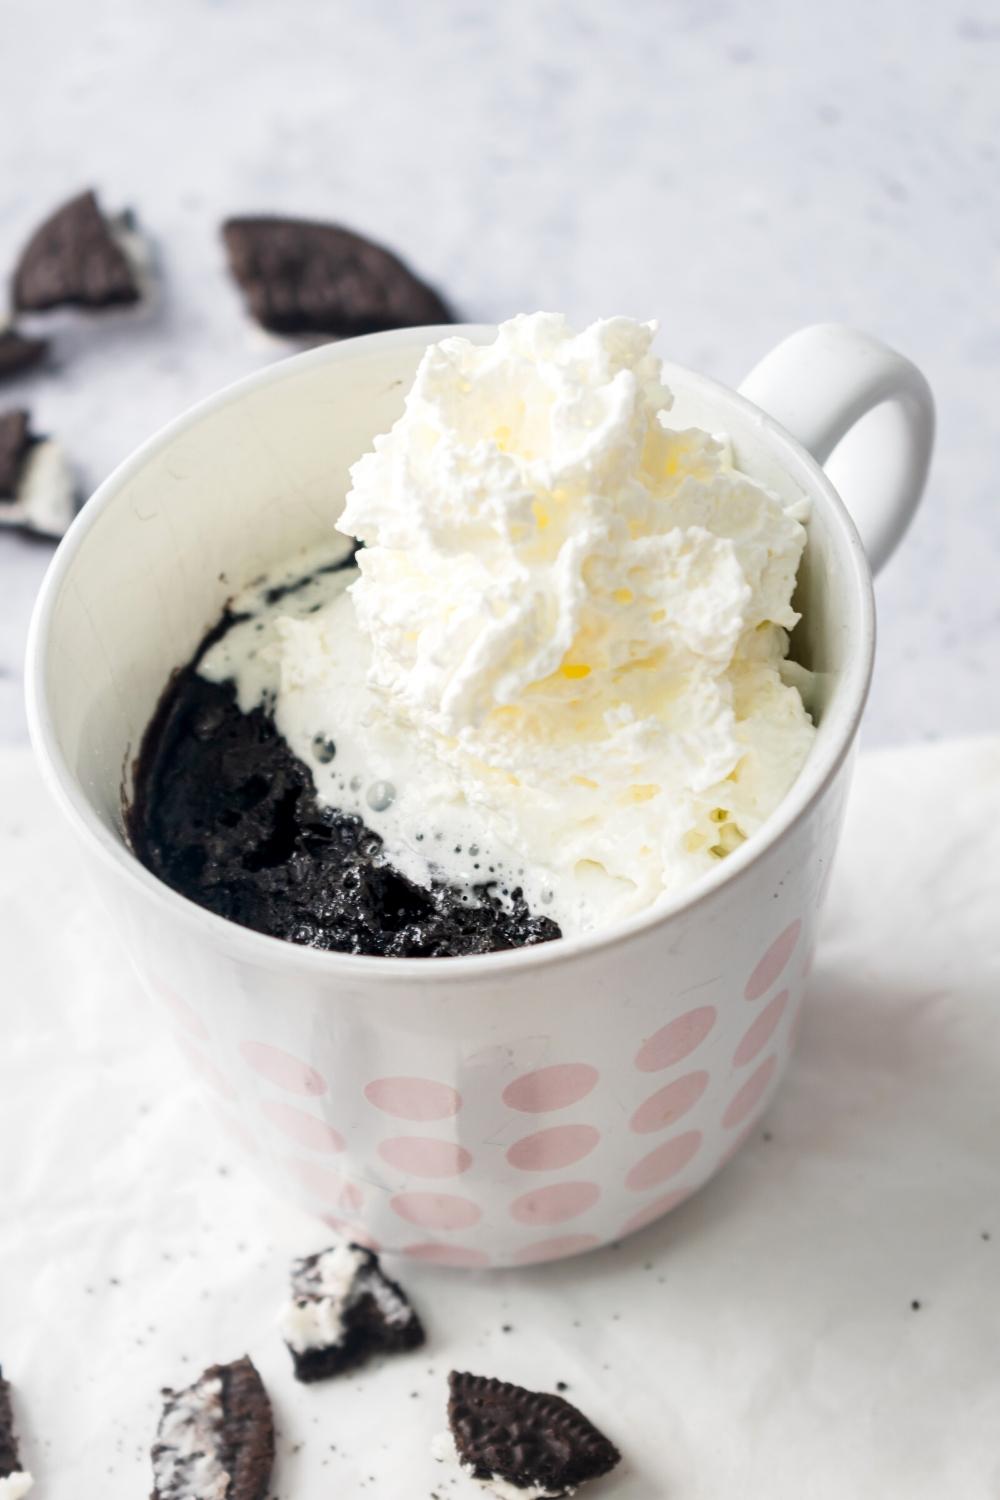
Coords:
pixel 215 1438
pixel 37 492
pixel 14 1481
pixel 513 1440
pixel 303 277
pixel 343 1309
pixel 18 354
pixel 79 257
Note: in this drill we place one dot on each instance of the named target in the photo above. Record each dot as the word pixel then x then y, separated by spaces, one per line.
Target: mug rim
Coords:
pixel 272 952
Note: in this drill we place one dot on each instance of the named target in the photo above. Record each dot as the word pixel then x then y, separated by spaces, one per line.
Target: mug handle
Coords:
pixel 864 412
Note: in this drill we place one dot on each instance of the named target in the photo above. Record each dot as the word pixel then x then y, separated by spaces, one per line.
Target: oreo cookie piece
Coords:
pixel 15 442
pixel 15 1482
pixel 523 1442
pixel 18 353
pixel 310 278
pixel 216 1438
pixel 79 257
pixel 37 492
pixel 343 1309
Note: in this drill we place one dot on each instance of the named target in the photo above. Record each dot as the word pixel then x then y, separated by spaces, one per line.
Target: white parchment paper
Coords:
pixel 821 1323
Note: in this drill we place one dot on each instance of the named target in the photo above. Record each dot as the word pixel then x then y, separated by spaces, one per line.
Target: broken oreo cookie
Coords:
pixel 18 354
pixel 215 1438
pixel 15 1482
pixel 510 1438
pixel 311 278
pixel 343 1309
pixel 37 492
pixel 79 257
pixel 15 441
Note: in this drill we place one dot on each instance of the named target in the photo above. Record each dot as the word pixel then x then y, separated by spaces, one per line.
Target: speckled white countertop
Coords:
pixel 733 169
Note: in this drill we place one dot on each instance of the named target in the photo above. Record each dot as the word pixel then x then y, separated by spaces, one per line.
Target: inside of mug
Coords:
pixel 258 475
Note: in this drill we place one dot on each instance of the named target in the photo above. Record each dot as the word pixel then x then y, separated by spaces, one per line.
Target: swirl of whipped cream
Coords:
pixel 566 644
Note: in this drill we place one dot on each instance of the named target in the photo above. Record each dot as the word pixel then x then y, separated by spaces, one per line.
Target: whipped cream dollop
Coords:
pixel 561 664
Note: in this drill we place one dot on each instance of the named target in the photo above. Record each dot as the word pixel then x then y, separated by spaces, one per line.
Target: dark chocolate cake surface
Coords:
pixel 227 815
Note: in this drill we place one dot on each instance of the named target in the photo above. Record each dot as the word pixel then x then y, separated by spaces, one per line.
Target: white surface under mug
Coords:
pixel 511 1107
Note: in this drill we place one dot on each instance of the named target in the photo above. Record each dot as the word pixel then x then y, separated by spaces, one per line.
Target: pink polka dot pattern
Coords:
pixel 559 1146
pixel 282 1069
pixel 462 1256
pixel 550 1088
pixel 182 1011
pixel 675 1041
pixel 665 1162
pixel 555 1249
pixel 552 1205
pixel 668 1104
pixel 206 1069
pixel 424 1156
pixel 654 1210
pixel 762 1030
pixel 745 1101
pixel 302 1128
pixel 773 962
pixel 436 1210
pixel 418 1099
pixel 324 1183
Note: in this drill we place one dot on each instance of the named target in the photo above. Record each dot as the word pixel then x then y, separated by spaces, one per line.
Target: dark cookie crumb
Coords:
pixel 37 490
pixel 375 1316
pixel 526 1437
pixel 15 441
pixel 73 259
pixel 238 1437
pixel 10 1462
pixel 299 276
pixel 18 354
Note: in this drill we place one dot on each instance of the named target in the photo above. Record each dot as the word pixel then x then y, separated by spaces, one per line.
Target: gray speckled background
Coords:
pixel 733 169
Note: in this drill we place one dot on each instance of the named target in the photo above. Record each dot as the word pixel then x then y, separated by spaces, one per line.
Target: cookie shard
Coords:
pixel 37 490
pixel 15 441
pixel 78 257
pixel 303 277
pixel 15 1482
pixel 215 1440
pixel 343 1310
pixel 18 353
pixel 511 1439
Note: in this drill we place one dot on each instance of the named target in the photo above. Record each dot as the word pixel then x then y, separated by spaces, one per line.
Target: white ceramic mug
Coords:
pixel 517 1106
